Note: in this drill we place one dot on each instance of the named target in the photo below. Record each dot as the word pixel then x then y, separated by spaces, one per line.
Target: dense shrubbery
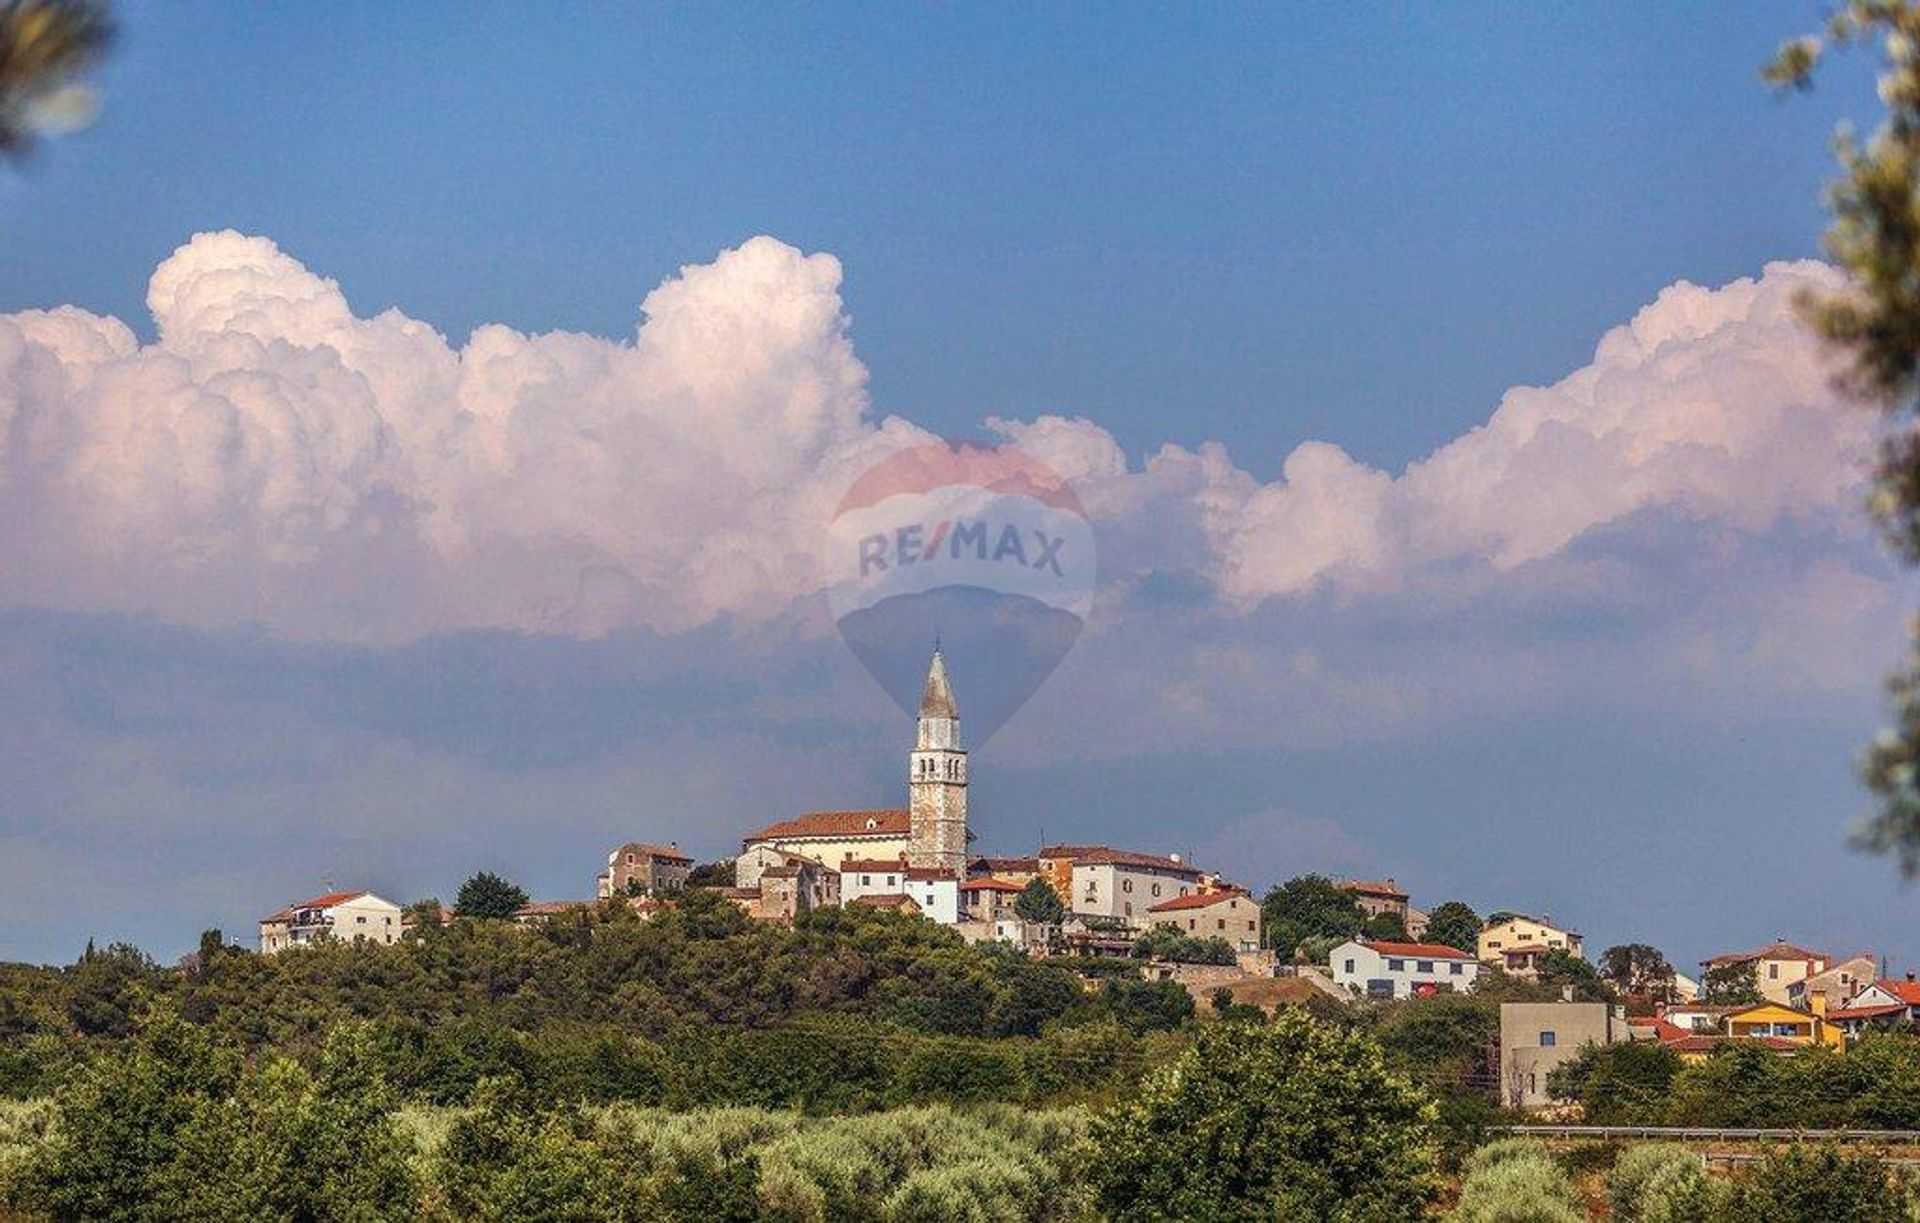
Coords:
pixel 850 1009
pixel 1874 1085
pixel 1166 943
pixel 1292 1119
pixel 1516 1180
pixel 176 1124
pixel 1664 1184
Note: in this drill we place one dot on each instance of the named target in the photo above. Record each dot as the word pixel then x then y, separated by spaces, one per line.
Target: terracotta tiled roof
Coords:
pixel 1663 1031
pixel 1776 950
pixel 885 900
pixel 548 908
pixel 1907 991
pixel 1866 1012
pixel 1421 951
pixel 1199 900
pixel 885 822
pixel 657 851
pixel 990 885
pixel 328 901
pixel 995 866
pixel 1106 855
pixel 1373 887
pixel 882 866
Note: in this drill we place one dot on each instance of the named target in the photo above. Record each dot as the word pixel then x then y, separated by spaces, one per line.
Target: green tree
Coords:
pixel 1454 924
pixel 1388 926
pixel 1873 322
pixel 488 895
pixel 1305 906
pixel 1038 902
pixel 1559 970
pixel 45 46
pixel 1729 985
pixel 117 1124
pixel 719 874
pixel 1292 1119
pixel 1821 1182
pixel 1623 1084
pixel 1517 1181
pixel 1638 970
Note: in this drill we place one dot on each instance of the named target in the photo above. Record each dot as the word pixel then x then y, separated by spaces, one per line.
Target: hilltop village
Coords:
pixel 1198 928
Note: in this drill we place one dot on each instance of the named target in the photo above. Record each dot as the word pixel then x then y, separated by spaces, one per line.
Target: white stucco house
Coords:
pixel 936 891
pixel 354 917
pixel 1401 970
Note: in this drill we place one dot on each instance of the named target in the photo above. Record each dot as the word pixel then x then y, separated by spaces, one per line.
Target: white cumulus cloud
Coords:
pixel 275 457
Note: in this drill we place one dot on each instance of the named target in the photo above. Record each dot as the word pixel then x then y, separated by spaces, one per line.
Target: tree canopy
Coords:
pixel 1873 322
pixel 1454 924
pixel 488 895
pixel 1292 1119
pixel 1305 906
pixel 1038 902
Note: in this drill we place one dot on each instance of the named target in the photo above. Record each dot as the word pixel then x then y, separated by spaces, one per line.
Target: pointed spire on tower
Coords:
pixel 936 699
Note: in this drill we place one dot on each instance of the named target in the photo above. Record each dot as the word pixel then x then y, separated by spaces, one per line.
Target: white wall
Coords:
pixel 1355 966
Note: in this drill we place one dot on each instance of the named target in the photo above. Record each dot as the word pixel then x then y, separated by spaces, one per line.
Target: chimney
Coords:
pixel 1909 976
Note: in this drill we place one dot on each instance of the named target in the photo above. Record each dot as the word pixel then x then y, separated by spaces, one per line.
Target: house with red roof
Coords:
pixel 1886 1003
pixel 640 868
pixel 1100 881
pixel 1401 970
pixel 357 917
pixel 1775 967
pixel 1227 913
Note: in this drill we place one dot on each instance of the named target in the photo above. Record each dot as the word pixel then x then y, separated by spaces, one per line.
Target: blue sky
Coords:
pixel 1257 228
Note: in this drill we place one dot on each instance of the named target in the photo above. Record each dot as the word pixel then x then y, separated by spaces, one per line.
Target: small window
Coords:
pixel 1773 972
pixel 1223 923
pixel 359 921
pixel 1455 968
pixel 866 881
pixel 1548 1039
pixel 1396 966
pixel 1126 885
pixel 1156 889
pixel 1349 967
pixel 1129 907
pixel 1425 965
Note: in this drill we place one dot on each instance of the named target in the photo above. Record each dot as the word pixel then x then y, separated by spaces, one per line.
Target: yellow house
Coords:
pixel 1771 1019
pixel 1526 935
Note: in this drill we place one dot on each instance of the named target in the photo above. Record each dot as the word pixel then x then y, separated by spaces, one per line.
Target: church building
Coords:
pixel 930 833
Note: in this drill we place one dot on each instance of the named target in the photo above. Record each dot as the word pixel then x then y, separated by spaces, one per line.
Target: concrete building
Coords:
pixel 640 869
pixel 1228 914
pixel 1401 970
pixel 1100 881
pixel 1535 1037
pixel 358 917
pixel 1775 967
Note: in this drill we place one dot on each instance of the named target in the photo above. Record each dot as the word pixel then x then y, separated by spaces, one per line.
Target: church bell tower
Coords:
pixel 937 779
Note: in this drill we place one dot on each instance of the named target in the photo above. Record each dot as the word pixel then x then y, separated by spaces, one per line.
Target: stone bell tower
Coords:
pixel 937 779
